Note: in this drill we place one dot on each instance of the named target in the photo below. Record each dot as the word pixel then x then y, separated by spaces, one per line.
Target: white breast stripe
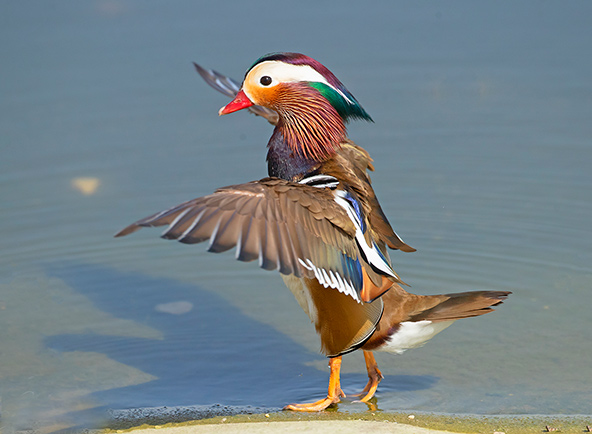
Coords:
pixel 331 279
pixel 320 181
pixel 371 253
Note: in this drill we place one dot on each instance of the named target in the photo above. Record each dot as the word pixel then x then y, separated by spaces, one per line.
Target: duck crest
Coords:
pixel 312 105
pixel 329 86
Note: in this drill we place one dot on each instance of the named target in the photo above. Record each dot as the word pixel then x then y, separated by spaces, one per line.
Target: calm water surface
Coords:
pixel 482 143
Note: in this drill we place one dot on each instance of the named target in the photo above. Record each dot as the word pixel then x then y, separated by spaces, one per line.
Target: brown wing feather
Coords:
pixel 382 227
pixel 351 166
pixel 272 220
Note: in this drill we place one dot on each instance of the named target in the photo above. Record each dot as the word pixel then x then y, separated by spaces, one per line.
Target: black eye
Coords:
pixel 265 80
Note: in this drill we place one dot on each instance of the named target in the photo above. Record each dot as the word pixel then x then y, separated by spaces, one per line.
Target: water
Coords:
pixel 482 147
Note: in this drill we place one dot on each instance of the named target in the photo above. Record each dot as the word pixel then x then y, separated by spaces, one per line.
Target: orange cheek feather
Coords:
pixel 266 97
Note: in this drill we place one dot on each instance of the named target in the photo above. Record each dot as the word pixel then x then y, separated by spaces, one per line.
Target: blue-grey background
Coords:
pixel 482 144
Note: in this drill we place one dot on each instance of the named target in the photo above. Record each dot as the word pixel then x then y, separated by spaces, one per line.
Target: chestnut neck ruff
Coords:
pixel 310 126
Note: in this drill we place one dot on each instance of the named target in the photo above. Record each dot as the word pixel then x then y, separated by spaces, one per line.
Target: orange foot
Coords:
pixel 333 394
pixel 374 377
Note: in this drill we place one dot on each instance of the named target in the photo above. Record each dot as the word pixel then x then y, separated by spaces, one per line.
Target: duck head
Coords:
pixel 312 104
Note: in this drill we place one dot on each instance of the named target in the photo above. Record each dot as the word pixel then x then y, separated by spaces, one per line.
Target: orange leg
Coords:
pixel 374 377
pixel 333 395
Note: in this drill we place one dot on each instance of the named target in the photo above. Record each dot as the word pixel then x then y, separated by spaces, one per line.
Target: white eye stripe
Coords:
pixel 281 72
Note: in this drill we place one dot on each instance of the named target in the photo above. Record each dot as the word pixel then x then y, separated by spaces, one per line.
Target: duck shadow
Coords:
pixel 210 354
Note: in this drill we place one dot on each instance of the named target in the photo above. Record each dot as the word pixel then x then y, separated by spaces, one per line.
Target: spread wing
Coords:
pixel 293 228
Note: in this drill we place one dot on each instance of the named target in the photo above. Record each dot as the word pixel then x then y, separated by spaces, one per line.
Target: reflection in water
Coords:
pixel 210 354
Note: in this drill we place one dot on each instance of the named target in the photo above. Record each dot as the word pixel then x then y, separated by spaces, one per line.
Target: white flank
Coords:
pixel 371 253
pixel 329 181
pixel 281 72
pixel 413 335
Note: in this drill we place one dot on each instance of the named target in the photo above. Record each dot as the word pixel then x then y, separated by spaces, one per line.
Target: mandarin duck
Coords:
pixel 317 221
